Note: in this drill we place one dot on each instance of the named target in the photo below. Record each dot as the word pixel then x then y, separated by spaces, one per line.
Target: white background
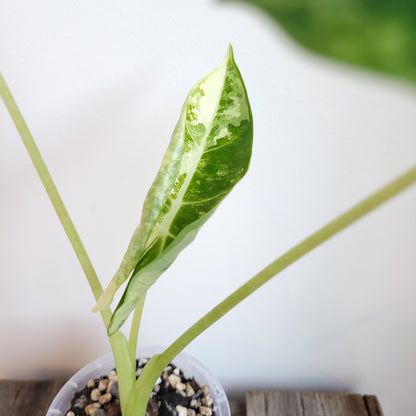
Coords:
pixel 101 84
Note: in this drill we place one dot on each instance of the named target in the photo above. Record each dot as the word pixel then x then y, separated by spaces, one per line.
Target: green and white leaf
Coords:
pixel 209 153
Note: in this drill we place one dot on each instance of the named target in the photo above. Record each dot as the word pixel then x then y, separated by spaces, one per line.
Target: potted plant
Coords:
pixel 209 153
pixel 197 391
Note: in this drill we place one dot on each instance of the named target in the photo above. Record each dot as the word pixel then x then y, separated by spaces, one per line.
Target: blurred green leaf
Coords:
pixel 376 34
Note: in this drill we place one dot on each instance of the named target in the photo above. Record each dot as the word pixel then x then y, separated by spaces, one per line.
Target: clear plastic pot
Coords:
pixel 100 367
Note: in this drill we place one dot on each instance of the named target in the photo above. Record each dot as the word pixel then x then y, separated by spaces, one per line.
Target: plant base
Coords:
pixel 174 394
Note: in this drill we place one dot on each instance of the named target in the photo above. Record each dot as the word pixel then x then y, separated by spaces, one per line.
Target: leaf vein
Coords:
pixel 190 135
pixel 201 201
pixel 213 148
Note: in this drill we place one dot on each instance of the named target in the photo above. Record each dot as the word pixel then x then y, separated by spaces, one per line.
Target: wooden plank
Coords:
pixel 267 403
pixel 238 408
pixel 342 404
pixel 373 406
pixel 20 398
pixel 32 398
pixel 277 403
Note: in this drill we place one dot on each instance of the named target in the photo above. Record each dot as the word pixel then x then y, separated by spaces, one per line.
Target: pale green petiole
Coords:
pixel 125 367
pixel 143 386
pixel 134 329
pixel 53 194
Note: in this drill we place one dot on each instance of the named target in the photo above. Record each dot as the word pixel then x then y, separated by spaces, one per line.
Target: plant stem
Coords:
pixel 125 368
pixel 134 329
pixel 53 194
pixel 143 386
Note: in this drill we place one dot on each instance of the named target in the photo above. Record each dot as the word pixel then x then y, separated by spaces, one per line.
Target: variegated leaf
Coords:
pixel 209 153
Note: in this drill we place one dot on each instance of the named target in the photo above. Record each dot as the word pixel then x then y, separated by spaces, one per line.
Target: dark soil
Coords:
pixel 173 395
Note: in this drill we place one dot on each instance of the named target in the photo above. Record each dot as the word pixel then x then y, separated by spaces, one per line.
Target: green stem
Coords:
pixel 125 368
pixel 53 194
pixel 143 386
pixel 134 329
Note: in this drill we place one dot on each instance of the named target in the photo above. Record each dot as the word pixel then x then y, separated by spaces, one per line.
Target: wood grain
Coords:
pixel 238 408
pixel 373 406
pixel 276 403
pixel 21 398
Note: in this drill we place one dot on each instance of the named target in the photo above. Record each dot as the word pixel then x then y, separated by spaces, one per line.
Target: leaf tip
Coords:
pixel 96 308
pixel 102 303
pixel 112 327
pixel 230 53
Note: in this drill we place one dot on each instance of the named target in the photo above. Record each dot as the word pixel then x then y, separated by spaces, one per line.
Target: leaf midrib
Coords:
pixel 178 201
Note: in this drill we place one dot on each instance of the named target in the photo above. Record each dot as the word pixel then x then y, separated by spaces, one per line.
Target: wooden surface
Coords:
pixel 27 398
pixel 276 403
pixel 32 398
pixel 238 408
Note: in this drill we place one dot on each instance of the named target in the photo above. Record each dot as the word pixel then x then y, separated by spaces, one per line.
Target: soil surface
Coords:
pixel 172 395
